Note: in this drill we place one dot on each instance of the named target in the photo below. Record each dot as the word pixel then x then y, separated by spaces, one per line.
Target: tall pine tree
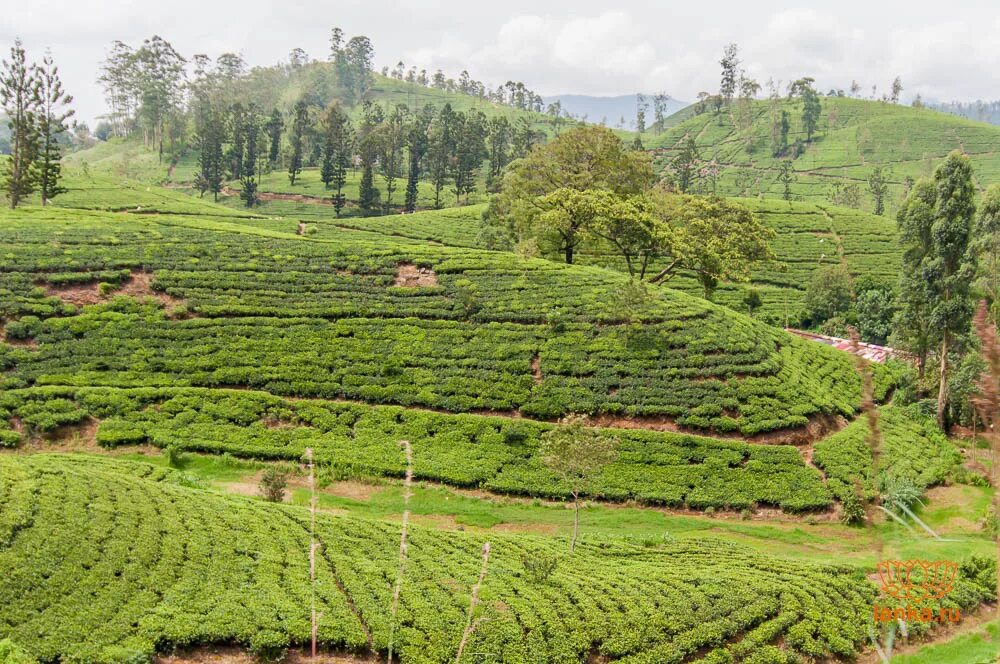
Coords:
pixel 253 156
pixel 417 144
pixel 300 125
pixel 52 116
pixel 441 149
pixel 368 146
pixel 337 153
pixel 273 128
pixel 499 132
pixel 391 139
pixel 21 97
pixel 210 130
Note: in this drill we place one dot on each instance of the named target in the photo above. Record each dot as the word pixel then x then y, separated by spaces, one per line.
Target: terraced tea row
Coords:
pixel 808 239
pixel 264 301
pixel 109 560
pixel 494 453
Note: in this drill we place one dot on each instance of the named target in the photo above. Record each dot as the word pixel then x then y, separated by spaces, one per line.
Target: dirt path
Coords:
pixel 836 237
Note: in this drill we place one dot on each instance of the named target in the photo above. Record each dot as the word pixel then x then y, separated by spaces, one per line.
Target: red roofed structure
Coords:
pixel 868 351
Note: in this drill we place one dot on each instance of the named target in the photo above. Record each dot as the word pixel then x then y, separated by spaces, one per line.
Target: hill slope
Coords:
pixel 353 318
pixel 853 137
pixel 107 560
pixel 809 238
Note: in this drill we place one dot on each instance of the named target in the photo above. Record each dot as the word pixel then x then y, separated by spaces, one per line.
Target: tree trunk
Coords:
pixel 576 522
pixel 569 253
pixel 943 383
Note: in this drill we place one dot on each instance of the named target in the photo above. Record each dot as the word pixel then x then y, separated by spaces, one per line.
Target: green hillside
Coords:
pixel 111 559
pixel 129 159
pixel 809 238
pixel 464 341
pixel 141 316
pixel 853 137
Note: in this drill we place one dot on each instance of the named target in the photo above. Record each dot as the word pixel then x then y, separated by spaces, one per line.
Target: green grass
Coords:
pixel 804 539
pixel 112 560
pixel 979 645
pixel 854 136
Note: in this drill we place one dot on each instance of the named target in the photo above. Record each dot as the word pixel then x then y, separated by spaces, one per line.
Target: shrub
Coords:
pixel 25 328
pixel 853 513
pixel 9 438
pixel 273 483
pixel 174 456
pixel 538 566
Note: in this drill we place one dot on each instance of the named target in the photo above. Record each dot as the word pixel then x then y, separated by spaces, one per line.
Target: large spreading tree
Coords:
pixel 580 159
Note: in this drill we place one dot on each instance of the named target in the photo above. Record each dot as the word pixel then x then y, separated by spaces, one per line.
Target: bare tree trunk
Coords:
pixel 576 522
pixel 943 383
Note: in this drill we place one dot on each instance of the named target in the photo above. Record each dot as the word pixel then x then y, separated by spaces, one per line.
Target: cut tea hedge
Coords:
pixel 322 317
pixel 109 560
pixel 352 440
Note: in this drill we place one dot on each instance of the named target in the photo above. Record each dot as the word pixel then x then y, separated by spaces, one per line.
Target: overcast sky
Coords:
pixel 941 50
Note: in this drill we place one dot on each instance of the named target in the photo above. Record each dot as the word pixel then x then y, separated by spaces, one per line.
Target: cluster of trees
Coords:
pixel 238 120
pixel 849 194
pixel 586 186
pixel 148 90
pixel 950 261
pixel 35 104
pixel 983 111
pixel 444 147
pixel 144 88
pixel 512 93
pixel 661 103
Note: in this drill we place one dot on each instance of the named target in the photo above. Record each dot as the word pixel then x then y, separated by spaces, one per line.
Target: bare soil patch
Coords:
pixel 352 489
pixel 78 294
pixel 409 275
pixel 77 436
pixel 536 369
pixel 138 285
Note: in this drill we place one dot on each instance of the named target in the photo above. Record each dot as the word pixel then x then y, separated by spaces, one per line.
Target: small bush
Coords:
pixel 174 456
pixel 539 567
pixel 9 438
pixel 273 483
pixel 27 327
pixel 854 509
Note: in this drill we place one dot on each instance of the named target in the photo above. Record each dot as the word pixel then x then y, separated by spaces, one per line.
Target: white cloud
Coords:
pixel 583 46
pixel 554 54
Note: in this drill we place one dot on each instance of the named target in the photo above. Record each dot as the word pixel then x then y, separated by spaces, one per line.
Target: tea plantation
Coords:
pixel 809 237
pixel 186 327
pixel 298 316
pixel 853 136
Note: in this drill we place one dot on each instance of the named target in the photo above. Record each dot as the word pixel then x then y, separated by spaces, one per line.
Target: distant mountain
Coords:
pixel 609 109
pixel 983 111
